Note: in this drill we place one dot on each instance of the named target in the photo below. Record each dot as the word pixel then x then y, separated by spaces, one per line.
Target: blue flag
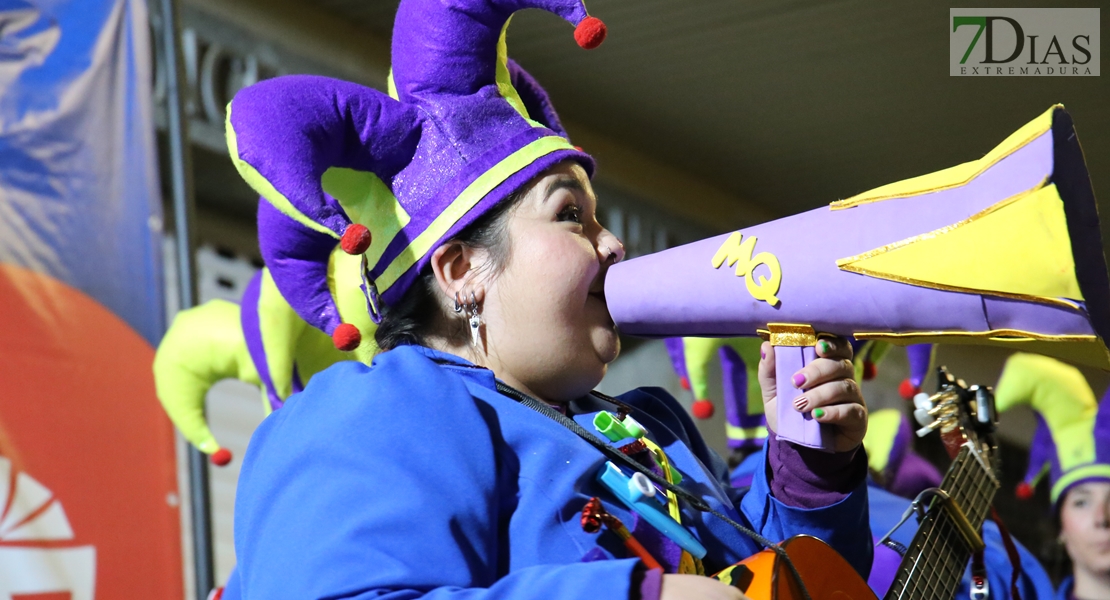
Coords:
pixel 79 196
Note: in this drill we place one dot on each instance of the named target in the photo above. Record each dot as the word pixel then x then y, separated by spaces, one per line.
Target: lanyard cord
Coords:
pixel 619 457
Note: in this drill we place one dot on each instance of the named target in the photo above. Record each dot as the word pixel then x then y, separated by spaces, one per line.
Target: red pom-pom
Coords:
pixel 346 337
pixel 684 382
pixel 590 32
pixel 907 390
pixel 220 457
pixel 1024 491
pixel 356 239
pixel 702 409
pixel 869 370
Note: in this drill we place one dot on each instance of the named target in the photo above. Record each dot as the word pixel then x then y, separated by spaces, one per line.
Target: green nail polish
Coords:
pixel 823 346
pixel 819 412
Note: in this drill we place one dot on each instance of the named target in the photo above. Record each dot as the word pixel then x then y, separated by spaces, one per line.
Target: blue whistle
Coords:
pixel 639 494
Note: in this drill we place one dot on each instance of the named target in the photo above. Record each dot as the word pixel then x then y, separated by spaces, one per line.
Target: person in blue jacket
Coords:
pixel 903 475
pixel 471 459
pixel 1071 445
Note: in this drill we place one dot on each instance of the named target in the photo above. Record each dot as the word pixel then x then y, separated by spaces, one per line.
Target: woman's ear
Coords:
pixel 454 267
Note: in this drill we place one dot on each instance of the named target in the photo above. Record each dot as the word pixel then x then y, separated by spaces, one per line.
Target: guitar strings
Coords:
pixel 943 538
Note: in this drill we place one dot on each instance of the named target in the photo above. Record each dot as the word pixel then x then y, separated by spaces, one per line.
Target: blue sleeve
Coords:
pixel 362 488
pixel 844 525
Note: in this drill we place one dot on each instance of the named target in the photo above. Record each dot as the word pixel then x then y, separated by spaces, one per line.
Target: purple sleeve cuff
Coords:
pixel 808 478
pixel 648 583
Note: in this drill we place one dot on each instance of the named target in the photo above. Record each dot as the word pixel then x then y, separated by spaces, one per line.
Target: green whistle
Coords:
pixel 608 425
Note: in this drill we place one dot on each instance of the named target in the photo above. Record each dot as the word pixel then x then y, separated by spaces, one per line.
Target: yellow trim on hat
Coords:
pixel 368 201
pixel 263 186
pixel 1071 477
pixel 344 281
pixel 958 175
pixel 279 328
pixel 733 432
pixel 502 76
pixel 469 197
pixel 882 428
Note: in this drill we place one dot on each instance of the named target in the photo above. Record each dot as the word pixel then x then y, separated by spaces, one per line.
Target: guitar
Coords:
pixel 948 534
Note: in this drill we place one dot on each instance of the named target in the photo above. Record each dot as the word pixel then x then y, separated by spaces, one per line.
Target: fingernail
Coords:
pixel 824 346
pixel 800 403
pixel 762 355
pixel 799 380
pixel 818 413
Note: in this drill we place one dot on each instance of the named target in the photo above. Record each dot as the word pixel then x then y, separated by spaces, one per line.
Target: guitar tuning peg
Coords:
pixel 923 401
pixel 927 429
pixel 923 417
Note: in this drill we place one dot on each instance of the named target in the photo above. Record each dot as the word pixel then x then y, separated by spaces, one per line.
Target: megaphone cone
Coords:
pixel 1004 250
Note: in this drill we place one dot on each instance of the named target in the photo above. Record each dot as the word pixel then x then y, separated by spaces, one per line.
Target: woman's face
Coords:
pixel 547 328
pixel 1085 526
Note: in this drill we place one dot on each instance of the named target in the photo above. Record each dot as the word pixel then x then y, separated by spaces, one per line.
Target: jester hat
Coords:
pixel 390 178
pixel 866 356
pixel 1071 443
pixel 920 357
pixel 260 341
pixel 890 455
pixel 745 425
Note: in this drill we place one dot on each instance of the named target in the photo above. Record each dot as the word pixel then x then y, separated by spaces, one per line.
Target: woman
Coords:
pixel 1085 534
pixel 1072 446
pixel 465 461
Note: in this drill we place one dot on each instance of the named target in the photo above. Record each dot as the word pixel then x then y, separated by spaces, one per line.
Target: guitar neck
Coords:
pixel 935 560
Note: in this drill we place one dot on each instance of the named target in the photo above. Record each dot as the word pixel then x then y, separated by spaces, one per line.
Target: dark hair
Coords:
pixel 409 320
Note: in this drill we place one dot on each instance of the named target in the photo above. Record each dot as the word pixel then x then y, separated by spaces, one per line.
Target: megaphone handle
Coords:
pixel 794 426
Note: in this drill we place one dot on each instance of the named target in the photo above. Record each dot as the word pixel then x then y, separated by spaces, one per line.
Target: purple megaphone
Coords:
pixel 1004 250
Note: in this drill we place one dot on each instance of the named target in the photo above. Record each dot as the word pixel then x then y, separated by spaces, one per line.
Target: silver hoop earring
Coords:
pixel 475 321
pixel 458 307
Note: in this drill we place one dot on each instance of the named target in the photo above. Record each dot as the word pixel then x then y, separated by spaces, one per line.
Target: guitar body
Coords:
pixel 826 574
pixel 945 539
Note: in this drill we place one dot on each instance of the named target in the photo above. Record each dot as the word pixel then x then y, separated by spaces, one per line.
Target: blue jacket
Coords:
pixel 1064 591
pixel 415 478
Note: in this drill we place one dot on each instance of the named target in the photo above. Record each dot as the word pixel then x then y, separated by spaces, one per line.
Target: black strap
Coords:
pixel 1011 553
pixel 620 458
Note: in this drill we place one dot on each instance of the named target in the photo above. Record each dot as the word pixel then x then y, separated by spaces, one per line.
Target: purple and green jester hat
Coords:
pixel 389 178
pixel 1071 442
pixel 260 341
pixel 891 458
pixel 745 424
pixel 920 358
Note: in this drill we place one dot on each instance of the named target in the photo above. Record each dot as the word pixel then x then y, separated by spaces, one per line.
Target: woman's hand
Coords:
pixel 697 587
pixel 829 390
